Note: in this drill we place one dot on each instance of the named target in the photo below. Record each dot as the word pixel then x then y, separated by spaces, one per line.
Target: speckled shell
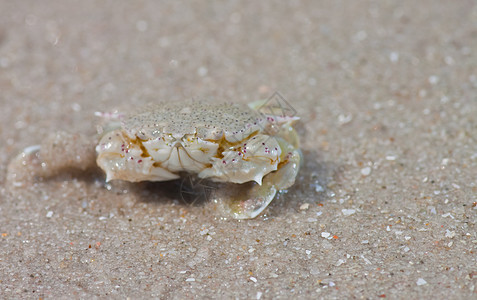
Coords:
pixel 224 142
pixel 208 121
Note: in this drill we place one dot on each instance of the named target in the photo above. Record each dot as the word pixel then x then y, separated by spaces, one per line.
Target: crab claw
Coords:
pixel 253 201
pixel 248 203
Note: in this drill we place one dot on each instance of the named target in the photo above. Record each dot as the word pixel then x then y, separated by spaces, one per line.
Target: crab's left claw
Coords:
pixel 251 202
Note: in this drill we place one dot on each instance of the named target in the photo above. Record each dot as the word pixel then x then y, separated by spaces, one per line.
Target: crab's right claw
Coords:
pixel 250 203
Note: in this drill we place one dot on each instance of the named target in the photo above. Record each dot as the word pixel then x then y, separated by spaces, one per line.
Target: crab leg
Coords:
pixel 252 202
pixel 124 159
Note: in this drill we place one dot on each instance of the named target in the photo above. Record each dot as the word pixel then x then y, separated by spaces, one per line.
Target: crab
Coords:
pixel 229 143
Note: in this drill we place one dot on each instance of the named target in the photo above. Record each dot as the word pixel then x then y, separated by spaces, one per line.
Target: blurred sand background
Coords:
pixel 385 205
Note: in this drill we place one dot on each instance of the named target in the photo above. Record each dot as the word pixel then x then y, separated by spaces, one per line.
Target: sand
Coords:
pixel 385 205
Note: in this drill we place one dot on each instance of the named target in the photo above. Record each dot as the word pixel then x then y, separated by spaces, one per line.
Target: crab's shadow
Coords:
pixel 189 190
pixel 313 185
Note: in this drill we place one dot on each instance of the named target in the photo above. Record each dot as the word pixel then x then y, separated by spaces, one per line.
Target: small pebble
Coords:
pixel 450 234
pixel 348 212
pixel 433 79
pixel 366 171
pixel 447 215
pixel 202 71
pixel 141 25
pixel 421 281
pixel 394 57
pixel 432 209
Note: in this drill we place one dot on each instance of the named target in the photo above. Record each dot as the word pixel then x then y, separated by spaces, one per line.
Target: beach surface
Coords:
pixel 385 205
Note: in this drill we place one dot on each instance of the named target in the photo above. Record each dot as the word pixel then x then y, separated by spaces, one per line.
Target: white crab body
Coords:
pixel 226 142
pixel 221 142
